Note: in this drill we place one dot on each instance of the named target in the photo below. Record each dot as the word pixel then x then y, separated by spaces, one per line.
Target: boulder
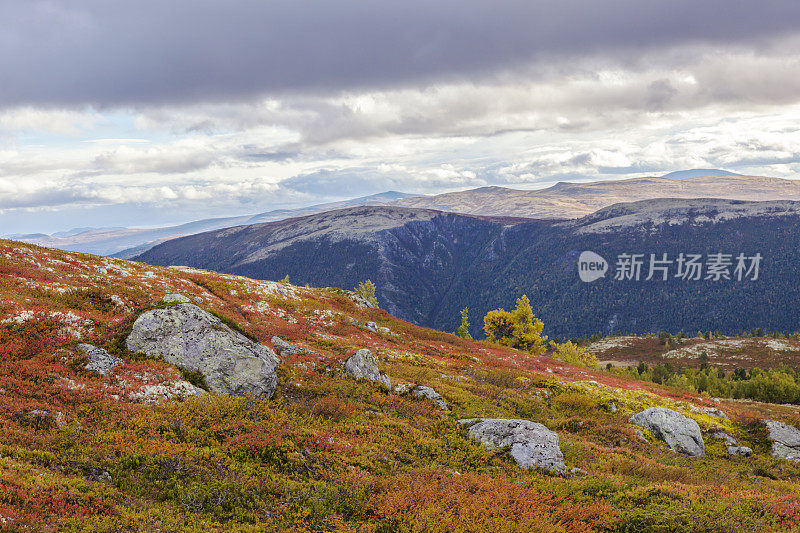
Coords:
pixel 427 393
pixel 100 361
pixel 531 445
pixel 364 365
pixel 681 434
pixel 785 440
pixel 193 339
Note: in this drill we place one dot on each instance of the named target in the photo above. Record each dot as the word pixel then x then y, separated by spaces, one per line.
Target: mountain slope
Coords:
pixel 84 452
pixel 129 242
pixel 429 265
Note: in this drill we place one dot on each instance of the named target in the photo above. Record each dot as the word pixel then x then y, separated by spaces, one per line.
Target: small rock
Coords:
pixel 612 406
pixel 364 365
pixel 725 437
pixel 578 473
pixel 681 434
pixel 532 445
pixel 191 338
pixel 713 411
pixel 285 349
pixel 785 440
pixel 403 388
pixel 427 393
pixel 175 299
pixel 740 451
pixel 61 423
pixel 100 361
pixel 640 435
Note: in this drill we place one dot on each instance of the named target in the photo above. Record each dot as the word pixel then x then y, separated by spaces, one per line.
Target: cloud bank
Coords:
pixel 179 110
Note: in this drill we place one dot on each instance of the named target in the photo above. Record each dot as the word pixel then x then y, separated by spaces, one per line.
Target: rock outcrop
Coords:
pixel 532 445
pixel 785 440
pixel 100 361
pixel 680 433
pixel 364 365
pixel 193 339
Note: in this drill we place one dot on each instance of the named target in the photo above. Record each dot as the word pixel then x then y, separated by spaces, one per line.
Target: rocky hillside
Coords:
pixel 429 265
pixel 139 398
pixel 574 200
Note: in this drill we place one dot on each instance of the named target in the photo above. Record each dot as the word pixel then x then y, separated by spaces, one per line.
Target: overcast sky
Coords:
pixel 158 111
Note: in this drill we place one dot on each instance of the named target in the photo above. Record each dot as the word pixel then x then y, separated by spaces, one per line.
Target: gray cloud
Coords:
pixel 118 53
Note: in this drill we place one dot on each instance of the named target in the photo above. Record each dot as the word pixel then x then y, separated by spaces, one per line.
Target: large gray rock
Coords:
pixel 100 361
pixel 532 445
pixel 190 338
pixel 681 434
pixel 427 393
pixel 785 440
pixel 364 365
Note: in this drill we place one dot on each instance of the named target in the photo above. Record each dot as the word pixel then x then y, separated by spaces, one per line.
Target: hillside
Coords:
pixel 575 200
pixel 130 451
pixel 429 265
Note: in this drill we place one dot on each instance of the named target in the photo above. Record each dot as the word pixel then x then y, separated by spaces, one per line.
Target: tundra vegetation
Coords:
pixel 81 451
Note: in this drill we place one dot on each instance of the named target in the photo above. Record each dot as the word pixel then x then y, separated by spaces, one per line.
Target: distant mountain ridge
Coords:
pixel 129 242
pixel 564 200
pixel 428 265
pixel 568 200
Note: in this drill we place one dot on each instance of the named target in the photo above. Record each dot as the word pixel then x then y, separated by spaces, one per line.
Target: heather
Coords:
pixel 83 452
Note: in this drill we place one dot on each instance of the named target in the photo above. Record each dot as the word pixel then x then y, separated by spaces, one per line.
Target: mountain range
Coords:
pixel 561 201
pixel 428 264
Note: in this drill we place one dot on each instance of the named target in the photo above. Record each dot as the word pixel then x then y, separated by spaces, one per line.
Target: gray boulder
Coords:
pixel 427 393
pixel 785 440
pixel 190 338
pixel 100 361
pixel 681 434
pixel 364 365
pixel 532 445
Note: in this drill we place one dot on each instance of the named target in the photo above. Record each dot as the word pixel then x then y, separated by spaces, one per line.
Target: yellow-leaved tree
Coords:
pixel 367 290
pixel 573 354
pixel 519 328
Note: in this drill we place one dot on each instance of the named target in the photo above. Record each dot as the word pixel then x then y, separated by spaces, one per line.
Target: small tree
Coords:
pixel 573 354
pixel 367 290
pixel 463 329
pixel 286 279
pixel 518 328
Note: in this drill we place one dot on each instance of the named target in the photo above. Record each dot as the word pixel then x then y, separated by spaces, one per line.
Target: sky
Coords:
pixel 163 111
